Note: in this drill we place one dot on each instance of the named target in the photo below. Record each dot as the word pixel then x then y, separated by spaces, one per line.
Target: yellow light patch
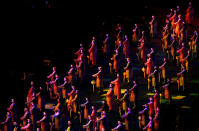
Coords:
pixel 185 107
pixel 178 97
pixel 150 94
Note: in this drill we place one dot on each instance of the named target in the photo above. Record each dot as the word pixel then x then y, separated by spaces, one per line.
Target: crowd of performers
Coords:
pixel 73 109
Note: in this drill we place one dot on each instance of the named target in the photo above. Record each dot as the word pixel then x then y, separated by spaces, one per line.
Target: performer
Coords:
pixel 194 44
pixel 142 116
pixel 43 122
pixel 127 117
pixel 189 14
pixel 115 59
pixel 128 70
pixel 181 51
pixel 25 116
pixel 148 65
pixel 13 110
pixel 118 127
pixel 143 38
pixel 71 96
pixel 55 83
pixel 71 75
pixel 106 46
pixel 173 19
pixel 31 91
pixel 80 70
pixel 80 55
pixel 52 75
pixel 125 101
pixel 94 117
pixel 162 72
pixel 167 91
pixel 172 48
pixel 109 97
pixel 156 99
pixel 99 79
pixel 8 125
pixel 151 107
pixel 153 27
pixel 126 47
pixel 180 75
pixel 169 16
pixel 156 119
pixel 179 27
pixel 133 95
pixel 28 126
pixel 164 39
pixel 136 33
pixel 149 126
pixel 117 88
pixel 50 86
pixel 85 105
pixel 41 99
pixel 93 52
pixel 75 102
pixel 185 61
pixel 102 121
pixel 141 50
pixel 56 120
pixel 33 116
pixel 89 125
pixel 64 88
pixel 152 77
pixel 69 128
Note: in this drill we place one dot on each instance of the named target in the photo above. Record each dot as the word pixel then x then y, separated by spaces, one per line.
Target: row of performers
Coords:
pixel 70 110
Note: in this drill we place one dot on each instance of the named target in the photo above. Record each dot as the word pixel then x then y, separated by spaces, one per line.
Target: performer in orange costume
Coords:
pixel 25 116
pixel 127 117
pixel 153 27
pixel 94 117
pixel 85 105
pixel 189 14
pixel 156 98
pixel 156 119
pixel 133 93
pixel 117 88
pixel 141 49
pixel 181 51
pixel 93 52
pixel 167 91
pixel 28 126
pixel 43 122
pixel 162 72
pixel 109 97
pixel 128 70
pixel 30 92
pixel 126 47
pixel 99 79
pixel 71 97
pixel 135 35
pixel 102 121
pixel 149 126
pixel 115 59
pixel 149 65
pixel 151 107
pixel 8 122
pixel 89 125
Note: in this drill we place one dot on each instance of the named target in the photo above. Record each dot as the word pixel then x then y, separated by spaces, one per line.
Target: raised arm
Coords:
pixel 49 76
pixel 87 125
